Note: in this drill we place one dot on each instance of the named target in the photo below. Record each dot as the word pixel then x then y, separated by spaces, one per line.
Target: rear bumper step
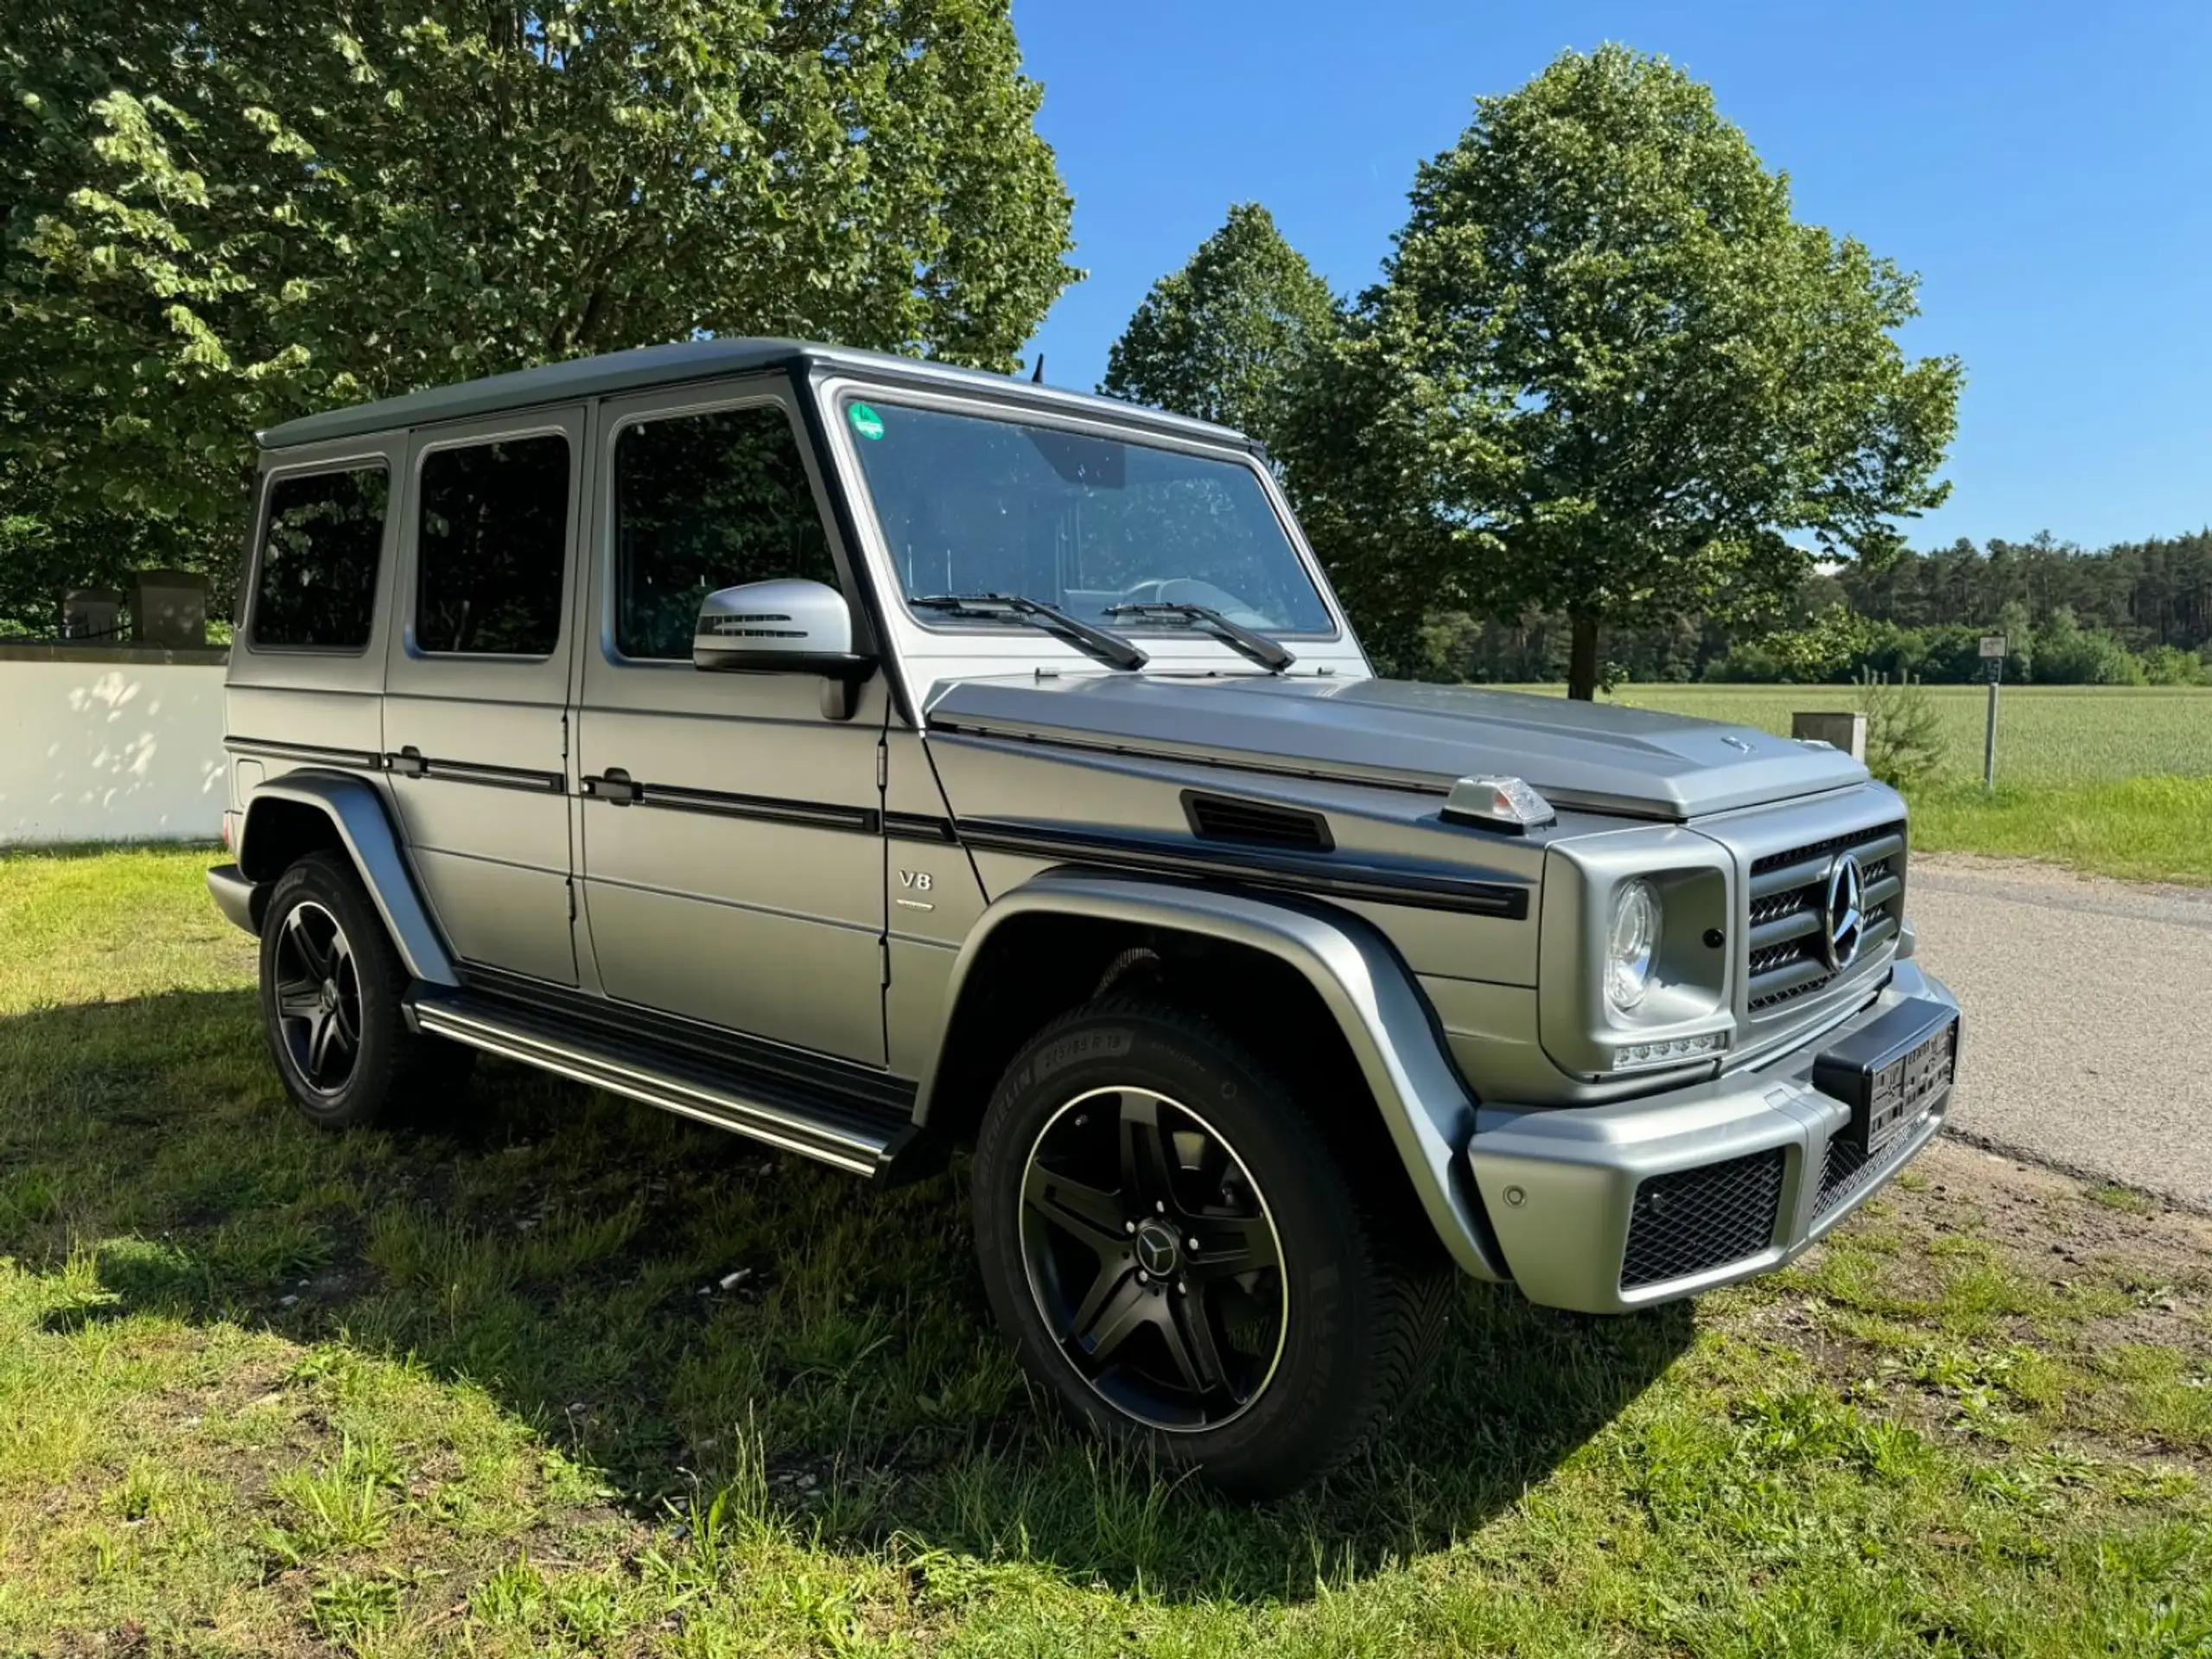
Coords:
pixel 239 898
pixel 864 1138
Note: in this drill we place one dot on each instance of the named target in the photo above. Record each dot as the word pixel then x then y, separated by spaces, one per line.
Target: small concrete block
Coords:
pixel 170 607
pixel 1844 731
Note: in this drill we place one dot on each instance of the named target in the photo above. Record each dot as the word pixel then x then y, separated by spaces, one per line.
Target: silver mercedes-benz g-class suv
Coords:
pixel 873 757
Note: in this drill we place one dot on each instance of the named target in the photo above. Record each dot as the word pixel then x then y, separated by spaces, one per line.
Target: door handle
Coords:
pixel 409 762
pixel 614 785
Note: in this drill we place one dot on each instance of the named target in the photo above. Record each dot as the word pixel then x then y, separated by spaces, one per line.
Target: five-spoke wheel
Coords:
pixel 318 996
pixel 1180 1255
pixel 332 989
pixel 1153 1258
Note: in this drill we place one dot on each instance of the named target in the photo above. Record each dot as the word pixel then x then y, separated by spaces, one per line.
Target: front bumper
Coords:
pixel 1561 1185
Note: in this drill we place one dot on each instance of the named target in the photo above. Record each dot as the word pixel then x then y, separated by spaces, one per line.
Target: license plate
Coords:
pixel 1891 1071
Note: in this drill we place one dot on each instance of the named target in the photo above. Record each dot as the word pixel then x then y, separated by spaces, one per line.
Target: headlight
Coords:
pixel 1631 945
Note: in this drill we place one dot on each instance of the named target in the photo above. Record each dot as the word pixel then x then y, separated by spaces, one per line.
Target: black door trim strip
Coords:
pixel 1380 884
pixel 919 826
pixel 769 809
pixel 353 759
pixel 471 771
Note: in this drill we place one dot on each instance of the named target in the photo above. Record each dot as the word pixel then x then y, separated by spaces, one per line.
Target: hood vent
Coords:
pixel 1257 824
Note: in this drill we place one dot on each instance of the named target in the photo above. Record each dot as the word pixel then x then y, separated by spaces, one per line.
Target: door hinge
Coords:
pixel 882 764
pixel 883 953
pixel 572 898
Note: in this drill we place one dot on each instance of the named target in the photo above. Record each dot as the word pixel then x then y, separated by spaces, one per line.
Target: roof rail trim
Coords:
pixel 647 366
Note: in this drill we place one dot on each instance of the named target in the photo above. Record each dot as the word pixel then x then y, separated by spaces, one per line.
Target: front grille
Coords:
pixel 1787 958
pixel 1847 1171
pixel 1696 1219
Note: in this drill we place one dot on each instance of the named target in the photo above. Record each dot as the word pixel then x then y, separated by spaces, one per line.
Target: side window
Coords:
pixel 703 502
pixel 490 547
pixel 317 584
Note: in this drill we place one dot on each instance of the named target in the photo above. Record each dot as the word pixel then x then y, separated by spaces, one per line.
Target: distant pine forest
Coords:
pixel 2132 614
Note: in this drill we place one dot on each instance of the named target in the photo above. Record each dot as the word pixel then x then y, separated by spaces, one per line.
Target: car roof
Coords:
pixel 701 359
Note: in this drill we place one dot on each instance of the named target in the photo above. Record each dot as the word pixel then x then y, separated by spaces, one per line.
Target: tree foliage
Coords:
pixel 1635 386
pixel 1905 735
pixel 218 217
pixel 1225 338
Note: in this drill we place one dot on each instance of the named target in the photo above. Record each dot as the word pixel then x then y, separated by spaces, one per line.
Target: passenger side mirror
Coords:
pixel 790 626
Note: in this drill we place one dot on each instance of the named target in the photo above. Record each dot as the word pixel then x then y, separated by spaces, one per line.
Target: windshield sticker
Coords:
pixel 866 421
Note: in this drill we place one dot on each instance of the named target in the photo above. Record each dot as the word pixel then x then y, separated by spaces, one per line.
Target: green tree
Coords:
pixel 219 217
pixel 1224 338
pixel 1636 387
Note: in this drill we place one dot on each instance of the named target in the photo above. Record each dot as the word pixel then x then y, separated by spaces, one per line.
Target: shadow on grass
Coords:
pixel 683 1311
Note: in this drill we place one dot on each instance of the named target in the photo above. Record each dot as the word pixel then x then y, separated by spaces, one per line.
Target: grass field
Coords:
pixel 548 1372
pixel 2049 736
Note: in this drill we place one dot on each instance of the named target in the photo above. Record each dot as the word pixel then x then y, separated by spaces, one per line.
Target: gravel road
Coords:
pixel 2089 1005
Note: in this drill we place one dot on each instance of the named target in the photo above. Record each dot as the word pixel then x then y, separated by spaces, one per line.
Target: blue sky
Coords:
pixel 2047 170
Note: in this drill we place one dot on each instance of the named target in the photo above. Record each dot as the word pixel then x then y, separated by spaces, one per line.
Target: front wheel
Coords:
pixel 1175 1252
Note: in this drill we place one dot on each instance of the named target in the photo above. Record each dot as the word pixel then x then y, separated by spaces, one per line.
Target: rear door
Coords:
pixel 476 725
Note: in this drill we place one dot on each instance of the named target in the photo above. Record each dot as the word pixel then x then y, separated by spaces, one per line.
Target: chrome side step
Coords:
pixel 861 1138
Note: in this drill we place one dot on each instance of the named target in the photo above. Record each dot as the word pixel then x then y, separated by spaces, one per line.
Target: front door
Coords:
pixel 732 853
pixel 475 715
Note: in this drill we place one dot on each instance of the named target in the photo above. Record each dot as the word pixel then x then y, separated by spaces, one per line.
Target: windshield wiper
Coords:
pixel 1102 643
pixel 1268 653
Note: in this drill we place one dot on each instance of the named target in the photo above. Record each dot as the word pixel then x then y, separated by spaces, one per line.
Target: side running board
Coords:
pixel 863 1136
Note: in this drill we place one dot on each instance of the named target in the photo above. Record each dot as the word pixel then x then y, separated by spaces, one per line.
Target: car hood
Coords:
pixel 1597 756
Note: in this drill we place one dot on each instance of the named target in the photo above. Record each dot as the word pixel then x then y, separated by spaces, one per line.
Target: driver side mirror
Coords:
pixel 788 626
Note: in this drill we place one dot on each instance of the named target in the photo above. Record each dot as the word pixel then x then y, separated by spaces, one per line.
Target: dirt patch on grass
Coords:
pixel 2068 1235
pixel 1985 1296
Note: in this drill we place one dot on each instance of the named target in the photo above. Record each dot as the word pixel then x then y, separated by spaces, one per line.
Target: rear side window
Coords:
pixel 703 502
pixel 317 585
pixel 490 547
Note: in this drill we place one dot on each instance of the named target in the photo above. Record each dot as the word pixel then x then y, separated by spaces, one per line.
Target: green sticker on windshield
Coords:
pixel 866 421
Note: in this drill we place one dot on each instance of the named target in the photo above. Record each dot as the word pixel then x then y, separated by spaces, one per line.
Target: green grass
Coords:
pixel 475 1387
pixel 2141 828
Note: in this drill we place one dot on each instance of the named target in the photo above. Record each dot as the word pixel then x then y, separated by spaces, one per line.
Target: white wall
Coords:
pixel 110 746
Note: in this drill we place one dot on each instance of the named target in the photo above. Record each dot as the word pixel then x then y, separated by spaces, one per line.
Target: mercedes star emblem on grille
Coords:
pixel 1844 914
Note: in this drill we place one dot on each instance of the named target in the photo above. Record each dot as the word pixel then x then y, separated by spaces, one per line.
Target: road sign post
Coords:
pixel 1992 669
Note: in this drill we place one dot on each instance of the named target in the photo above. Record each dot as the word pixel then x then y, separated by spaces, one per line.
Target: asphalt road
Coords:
pixel 2088 1007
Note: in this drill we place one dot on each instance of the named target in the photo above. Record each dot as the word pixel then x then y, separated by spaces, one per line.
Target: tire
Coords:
pixel 1265 1377
pixel 331 989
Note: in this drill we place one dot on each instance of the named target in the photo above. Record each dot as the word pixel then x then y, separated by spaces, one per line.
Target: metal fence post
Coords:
pixel 1992 668
pixel 1989 743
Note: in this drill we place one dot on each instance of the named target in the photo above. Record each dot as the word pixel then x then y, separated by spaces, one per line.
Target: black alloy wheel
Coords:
pixel 332 996
pixel 318 997
pixel 1154 1260
pixel 1178 1251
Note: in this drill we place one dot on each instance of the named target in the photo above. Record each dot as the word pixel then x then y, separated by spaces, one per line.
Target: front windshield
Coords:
pixel 976 505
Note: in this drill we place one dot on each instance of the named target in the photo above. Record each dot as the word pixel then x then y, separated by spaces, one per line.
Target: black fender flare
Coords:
pixel 1380 1011
pixel 363 826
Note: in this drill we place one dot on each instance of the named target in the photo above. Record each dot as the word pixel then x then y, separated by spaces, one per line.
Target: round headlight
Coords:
pixel 1631 945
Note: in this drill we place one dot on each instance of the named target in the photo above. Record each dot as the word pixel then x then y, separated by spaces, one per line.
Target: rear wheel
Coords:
pixel 331 990
pixel 1165 1235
